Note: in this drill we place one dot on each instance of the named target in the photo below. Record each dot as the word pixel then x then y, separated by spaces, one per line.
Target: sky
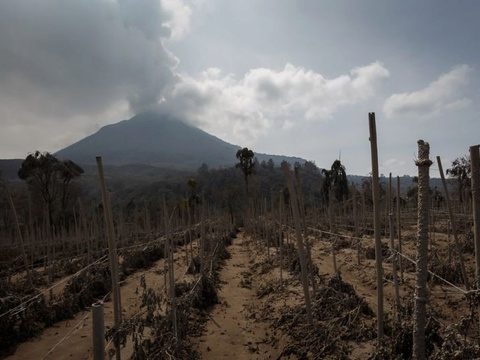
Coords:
pixel 283 77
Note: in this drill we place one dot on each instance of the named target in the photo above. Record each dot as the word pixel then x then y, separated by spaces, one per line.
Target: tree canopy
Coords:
pixel 246 163
pixel 335 181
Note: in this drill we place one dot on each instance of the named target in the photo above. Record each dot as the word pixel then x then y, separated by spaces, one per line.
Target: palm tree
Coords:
pixel 335 180
pixel 246 164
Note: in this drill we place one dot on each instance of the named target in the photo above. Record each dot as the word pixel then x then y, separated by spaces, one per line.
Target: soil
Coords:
pixel 253 296
pixel 77 331
pixel 233 330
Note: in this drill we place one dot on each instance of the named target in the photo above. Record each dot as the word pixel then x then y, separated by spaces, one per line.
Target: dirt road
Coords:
pixel 233 331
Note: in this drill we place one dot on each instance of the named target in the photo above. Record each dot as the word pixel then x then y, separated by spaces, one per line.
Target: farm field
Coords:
pixel 204 285
pixel 239 180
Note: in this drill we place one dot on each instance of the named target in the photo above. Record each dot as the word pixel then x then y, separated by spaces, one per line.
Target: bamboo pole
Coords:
pixel 98 335
pixel 355 222
pixel 333 239
pixel 364 210
pixel 453 225
pixel 280 245
pixel 166 248
pixel 376 225
pixel 399 230
pixel 392 246
pixel 20 236
pixel 308 245
pixel 171 279
pixel 300 244
pixel 203 235
pixel 112 252
pixel 475 163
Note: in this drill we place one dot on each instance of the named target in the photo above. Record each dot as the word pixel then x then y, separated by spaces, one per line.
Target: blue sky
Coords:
pixel 287 77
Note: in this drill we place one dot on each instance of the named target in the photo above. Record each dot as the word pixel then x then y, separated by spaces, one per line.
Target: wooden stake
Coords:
pixel 475 163
pixel 355 222
pixel 20 236
pixel 171 279
pixel 333 239
pixel 453 225
pixel 392 246
pixel 112 254
pixel 399 230
pixel 376 225
pixel 98 334
pixel 300 244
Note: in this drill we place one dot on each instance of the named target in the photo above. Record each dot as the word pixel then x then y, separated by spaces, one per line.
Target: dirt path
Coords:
pixel 233 332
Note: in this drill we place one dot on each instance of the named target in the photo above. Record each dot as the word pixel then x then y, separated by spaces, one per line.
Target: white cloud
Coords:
pixel 180 15
pixel 441 94
pixel 240 110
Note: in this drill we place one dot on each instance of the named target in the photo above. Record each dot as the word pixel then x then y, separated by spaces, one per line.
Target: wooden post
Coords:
pixel 171 278
pixel 453 225
pixel 267 230
pixel 299 193
pixel 392 246
pixel 300 245
pixel 166 247
pixel 112 254
pixel 98 331
pixel 475 163
pixel 280 213
pixel 203 235
pixel 364 210
pixel 355 222
pixel 333 239
pixel 421 295
pixel 376 225
pixel 20 236
pixel 190 230
pixel 399 230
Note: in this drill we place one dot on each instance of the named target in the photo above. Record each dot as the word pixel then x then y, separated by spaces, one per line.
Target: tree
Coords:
pixel 50 177
pixel 461 170
pixel 437 197
pixel 67 171
pixel 39 170
pixel 335 180
pixel 270 164
pixel 193 198
pixel 412 191
pixel 246 164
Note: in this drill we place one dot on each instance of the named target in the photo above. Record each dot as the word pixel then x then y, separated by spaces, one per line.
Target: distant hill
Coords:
pixel 406 182
pixel 9 168
pixel 157 140
pixel 151 146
